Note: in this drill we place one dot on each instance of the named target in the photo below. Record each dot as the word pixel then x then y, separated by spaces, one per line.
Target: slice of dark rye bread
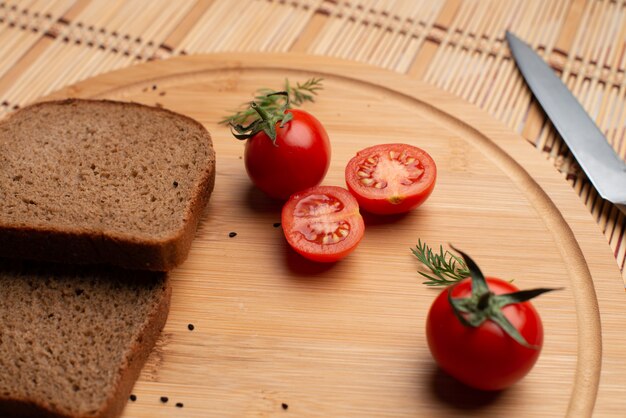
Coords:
pixel 73 339
pixel 98 181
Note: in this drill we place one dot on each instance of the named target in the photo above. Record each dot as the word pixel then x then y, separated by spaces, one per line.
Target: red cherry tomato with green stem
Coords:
pixel 296 160
pixel 484 331
pixel 483 357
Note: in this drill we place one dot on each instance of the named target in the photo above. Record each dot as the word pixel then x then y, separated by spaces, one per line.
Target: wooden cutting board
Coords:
pixel 275 335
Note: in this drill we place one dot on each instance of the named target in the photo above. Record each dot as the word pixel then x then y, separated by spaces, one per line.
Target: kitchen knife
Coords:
pixel 605 169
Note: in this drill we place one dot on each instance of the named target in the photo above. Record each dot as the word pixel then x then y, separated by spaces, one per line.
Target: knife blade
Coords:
pixel 604 168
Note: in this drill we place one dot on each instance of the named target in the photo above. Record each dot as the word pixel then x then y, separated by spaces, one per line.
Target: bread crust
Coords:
pixel 141 348
pixel 82 246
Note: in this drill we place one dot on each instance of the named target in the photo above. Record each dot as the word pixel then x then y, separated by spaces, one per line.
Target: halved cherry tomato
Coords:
pixel 322 223
pixel 391 178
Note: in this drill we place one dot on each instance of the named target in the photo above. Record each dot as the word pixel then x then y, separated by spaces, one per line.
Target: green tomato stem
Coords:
pixel 484 305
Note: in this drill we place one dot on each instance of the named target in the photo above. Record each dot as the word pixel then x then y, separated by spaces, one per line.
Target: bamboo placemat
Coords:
pixel 457 45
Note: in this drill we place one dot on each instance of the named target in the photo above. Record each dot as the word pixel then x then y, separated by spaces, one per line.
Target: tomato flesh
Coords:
pixel 299 158
pixel 485 357
pixel 322 223
pixel 391 178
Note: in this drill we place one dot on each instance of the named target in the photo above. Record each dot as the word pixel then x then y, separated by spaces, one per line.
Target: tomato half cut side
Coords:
pixel 391 178
pixel 322 223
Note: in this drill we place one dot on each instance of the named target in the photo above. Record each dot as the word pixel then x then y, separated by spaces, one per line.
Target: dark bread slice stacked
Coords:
pixel 102 182
pixel 73 339
pixel 87 184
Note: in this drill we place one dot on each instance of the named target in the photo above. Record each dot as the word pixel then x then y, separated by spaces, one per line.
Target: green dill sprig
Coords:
pixel 446 268
pixel 305 92
pixel 272 103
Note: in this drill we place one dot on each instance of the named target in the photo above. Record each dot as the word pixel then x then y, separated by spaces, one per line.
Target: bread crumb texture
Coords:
pixel 102 166
pixel 69 334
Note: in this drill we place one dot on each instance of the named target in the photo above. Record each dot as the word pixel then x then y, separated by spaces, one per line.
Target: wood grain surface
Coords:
pixel 275 335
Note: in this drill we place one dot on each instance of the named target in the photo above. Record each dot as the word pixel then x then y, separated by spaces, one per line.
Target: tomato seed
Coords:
pixel 316 205
pixel 325 232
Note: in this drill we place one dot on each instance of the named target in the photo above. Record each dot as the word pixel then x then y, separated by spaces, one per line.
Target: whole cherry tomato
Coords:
pixel 484 357
pixel 391 178
pixel 296 160
pixel 322 223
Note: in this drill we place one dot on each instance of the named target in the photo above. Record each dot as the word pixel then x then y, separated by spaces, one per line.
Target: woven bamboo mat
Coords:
pixel 457 45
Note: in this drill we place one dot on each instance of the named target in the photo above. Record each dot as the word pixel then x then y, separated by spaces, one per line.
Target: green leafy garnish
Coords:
pixel 275 104
pixel 446 268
